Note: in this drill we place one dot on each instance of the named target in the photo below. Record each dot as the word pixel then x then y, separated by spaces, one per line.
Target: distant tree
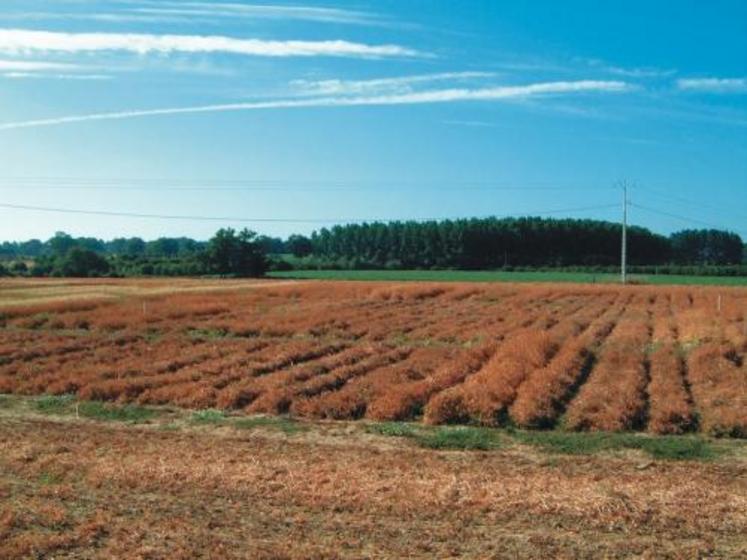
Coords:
pixel 299 245
pixel 60 244
pixel 706 247
pixel 91 243
pixel 237 254
pixel 271 245
pixel 31 248
pixel 19 267
pixel 163 247
pixel 8 250
pixel 80 262
pixel 3 270
pixel 42 266
pixel 116 246
pixel 132 246
pixel 188 246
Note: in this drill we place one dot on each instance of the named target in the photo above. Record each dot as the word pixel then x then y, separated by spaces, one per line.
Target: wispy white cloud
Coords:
pixel 54 76
pixel 713 85
pixel 31 69
pixel 26 41
pixel 401 84
pixel 173 12
pixel 640 72
pixel 632 72
pixel 257 11
pixel 471 124
pixel 499 93
pixel 580 65
pixel 104 17
pixel 34 66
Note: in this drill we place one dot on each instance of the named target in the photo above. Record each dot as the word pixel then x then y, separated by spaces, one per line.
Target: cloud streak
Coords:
pixel 15 41
pixel 713 85
pixel 381 85
pixel 499 93
pixel 47 76
pixel 29 69
pixel 257 11
pixel 209 12
pixel 34 66
pixel 640 72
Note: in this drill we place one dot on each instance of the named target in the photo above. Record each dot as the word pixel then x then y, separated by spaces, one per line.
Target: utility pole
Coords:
pixel 624 255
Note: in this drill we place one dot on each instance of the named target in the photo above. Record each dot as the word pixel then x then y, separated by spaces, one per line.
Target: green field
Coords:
pixel 502 276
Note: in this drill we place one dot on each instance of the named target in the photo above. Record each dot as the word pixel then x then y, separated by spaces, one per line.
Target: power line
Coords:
pixel 273 189
pixel 271 185
pixel 680 200
pixel 268 220
pixel 339 181
pixel 143 184
pixel 677 216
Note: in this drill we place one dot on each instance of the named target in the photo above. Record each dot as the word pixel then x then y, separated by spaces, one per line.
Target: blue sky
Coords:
pixel 301 114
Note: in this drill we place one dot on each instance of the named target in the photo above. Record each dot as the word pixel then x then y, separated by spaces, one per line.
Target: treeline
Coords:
pixel 511 242
pixel 227 253
pixel 491 243
pixel 163 247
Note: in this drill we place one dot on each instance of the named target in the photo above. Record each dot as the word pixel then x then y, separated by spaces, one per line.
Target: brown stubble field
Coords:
pixel 573 358
pixel 76 488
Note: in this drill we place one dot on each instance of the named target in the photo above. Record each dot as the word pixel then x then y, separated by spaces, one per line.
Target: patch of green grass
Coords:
pixel 445 275
pixel 392 429
pixel 679 448
pixel 285 425
pixel 461 437
pixel 208 416
pixel 673 448
pixel 54 404
pixel 443 437
pixel 504 276
pixel 112 413
pixel 67 404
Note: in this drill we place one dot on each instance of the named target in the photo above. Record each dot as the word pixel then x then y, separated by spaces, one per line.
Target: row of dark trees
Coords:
pixel 495 243
pixel 709 246
pixel 466 244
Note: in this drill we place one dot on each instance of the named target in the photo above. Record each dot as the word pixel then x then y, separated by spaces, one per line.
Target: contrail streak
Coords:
pixel 423 97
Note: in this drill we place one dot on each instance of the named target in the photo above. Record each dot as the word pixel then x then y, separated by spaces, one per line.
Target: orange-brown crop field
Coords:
pixel 665 360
